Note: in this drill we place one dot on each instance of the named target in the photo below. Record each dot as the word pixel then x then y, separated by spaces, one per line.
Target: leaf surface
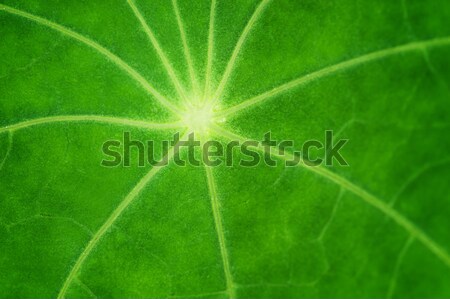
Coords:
pixel 77 73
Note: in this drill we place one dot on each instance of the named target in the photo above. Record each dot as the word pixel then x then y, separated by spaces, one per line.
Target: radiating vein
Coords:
pixel 110 56
pixel 187 52
pixel 159 50
pixel 210 55
pixel 259 99
pixel 232 62
pixel 8 150
pixel 91 119
pixel 377 203
pixel 215 205
pixel 110 221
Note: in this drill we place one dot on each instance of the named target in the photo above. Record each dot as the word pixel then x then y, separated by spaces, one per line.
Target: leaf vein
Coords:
pixel 162 55
pixel 397 266
pixel 108 54
pixel 215 205
pixel 259 99
pixel 370 199
pixel 232 62
pixel 109 222
pixel 187 52
pixel 8 150
pixel 209 59
pixel 88 118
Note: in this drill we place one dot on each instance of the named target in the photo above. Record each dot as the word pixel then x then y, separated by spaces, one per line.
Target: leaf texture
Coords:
pixel 74 74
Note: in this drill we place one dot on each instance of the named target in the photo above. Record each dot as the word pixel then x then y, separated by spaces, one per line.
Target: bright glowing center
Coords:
pixel 198 119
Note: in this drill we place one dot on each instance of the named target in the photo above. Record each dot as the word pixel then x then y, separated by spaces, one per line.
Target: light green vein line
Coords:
pixel 414 176
pixel 415 46
pixel 232 62
pixel 110 56
pixel 215 205
pixel 210 294
pixel 398 264
pixel 8 150
pixel 433 70
pixel 159 50
pixel 377 203
pixel 387 210
pixel 332 215
pixel 110 221
pixel 89 118
pixel 209 59
pixel 187 52
pixel 61 218
pixel 86 288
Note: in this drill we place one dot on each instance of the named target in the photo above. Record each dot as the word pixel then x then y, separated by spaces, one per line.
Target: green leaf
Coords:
pixel 74 74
